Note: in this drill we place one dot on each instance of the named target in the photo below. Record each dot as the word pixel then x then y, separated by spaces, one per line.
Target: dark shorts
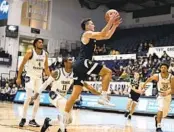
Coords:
pixel 82 69
pixel 134 96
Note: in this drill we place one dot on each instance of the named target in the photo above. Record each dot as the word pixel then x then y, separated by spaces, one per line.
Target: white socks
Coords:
pixel 159 125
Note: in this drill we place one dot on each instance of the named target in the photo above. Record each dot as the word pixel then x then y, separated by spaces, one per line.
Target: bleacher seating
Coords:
pixel 129 39
pixel 5 58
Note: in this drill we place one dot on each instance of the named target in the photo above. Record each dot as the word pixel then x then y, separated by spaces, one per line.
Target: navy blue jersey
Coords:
pixel 87 50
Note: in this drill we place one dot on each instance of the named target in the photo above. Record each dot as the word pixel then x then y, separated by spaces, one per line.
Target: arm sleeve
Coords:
pixel 45 84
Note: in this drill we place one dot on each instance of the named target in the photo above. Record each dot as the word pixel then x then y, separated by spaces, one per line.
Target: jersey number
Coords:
pixel 64 88
pixel 39 64
pixel 164 87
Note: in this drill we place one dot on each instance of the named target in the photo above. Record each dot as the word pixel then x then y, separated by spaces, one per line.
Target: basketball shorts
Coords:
pixel 59 102
pixel 83 69
pixel 164 104
pixel 134 96
pixel 32 85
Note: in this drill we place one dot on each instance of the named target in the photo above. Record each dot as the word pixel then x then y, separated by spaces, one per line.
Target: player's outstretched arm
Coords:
pixel 54 76
pixel 150 79
pixel 103 34
pixel 90 88
pixel 113 28
pixel 137 90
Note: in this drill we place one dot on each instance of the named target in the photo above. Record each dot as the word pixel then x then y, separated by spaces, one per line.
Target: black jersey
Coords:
pixel 133 95
pixel 135 83
pixel 87 50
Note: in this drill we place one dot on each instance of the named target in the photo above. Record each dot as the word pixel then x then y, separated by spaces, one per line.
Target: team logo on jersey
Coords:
pixel 57 75
pixel 89 62
pixel 52 95
pixel 27 79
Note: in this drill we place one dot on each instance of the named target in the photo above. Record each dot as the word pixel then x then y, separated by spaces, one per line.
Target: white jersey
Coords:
pixel 164 84
pixel 63 82
pixel 35 65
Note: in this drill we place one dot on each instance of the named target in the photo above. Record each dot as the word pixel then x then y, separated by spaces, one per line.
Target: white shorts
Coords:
pixel 32 85
pixel 57 100
pixel 60 102
pixel 164 104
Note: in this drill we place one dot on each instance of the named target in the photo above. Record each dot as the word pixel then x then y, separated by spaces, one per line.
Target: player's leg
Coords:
pixel 165 107
pixel 32 122
pixel 132 110
pixel 29 93
pixel 159 115
pixel 106 74
pixel 128 107
pixel 167 103
pixel 59 102
pixel 135 99
pixel 77 89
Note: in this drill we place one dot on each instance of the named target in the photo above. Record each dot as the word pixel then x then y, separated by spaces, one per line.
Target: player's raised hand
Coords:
pixel 118 21
pixel 113 17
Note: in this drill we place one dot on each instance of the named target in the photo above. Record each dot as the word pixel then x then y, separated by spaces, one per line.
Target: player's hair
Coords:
pixel 164 64
pixel 36 40
pixel 84 22
pixel 64 59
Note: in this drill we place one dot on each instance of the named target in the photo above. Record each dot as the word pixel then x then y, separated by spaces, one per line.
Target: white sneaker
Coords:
pixel 103 100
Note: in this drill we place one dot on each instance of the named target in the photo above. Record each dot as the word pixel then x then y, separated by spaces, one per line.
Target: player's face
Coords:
pixel 91 26
pixel 164 69
pixel 39 44
pixel 68 63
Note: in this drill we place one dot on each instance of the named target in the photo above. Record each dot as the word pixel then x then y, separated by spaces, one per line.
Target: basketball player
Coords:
pixel 36 60
pixel 61 81
pixel 84 66
pixel 134 95
pixel 165 85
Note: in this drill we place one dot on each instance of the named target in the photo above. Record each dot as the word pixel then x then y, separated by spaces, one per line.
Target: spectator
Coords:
pixel 3 92
pixel 13 92
pixel 154 56
pixel 171 68
pixel 7 92
pixel 164 56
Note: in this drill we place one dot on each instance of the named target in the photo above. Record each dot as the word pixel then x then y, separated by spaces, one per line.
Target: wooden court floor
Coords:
pixel 84 121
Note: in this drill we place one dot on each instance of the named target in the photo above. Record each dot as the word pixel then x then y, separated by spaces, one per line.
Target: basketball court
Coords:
pixel 84 121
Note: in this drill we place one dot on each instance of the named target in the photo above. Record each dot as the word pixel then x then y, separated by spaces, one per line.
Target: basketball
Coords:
pixel 108 13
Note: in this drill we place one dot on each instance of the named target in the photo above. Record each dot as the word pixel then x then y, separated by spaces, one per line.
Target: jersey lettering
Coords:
pixel 164 83
pixel 63 83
